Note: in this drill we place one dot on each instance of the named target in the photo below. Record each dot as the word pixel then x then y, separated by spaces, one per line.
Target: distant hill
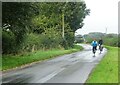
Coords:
pixel 109 39
pixel 94 35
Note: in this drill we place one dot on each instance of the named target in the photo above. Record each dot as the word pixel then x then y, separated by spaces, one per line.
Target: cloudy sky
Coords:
pixel 104 14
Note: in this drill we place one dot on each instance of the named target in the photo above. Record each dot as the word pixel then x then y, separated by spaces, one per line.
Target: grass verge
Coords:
pixel 107 70
pixel 9 62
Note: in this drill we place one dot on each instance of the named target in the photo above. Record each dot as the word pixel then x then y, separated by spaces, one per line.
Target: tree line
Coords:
pixel 30 26
pixel 110 39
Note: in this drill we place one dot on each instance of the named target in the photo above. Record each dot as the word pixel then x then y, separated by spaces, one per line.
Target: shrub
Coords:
pixel 8 42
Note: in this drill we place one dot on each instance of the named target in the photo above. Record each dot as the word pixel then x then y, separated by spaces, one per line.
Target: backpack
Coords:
pixel 94 43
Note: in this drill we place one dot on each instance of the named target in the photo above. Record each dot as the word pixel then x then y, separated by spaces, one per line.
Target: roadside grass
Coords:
pixel 107 70
pixel 9 61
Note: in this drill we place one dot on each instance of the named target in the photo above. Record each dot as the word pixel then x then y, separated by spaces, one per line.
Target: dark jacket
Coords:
pixel 100 42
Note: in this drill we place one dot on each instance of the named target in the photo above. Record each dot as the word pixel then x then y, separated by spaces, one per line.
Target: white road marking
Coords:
pixel 48 77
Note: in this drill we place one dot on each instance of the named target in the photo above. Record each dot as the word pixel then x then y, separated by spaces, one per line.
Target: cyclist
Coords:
pixel 94 46
pixel 100 45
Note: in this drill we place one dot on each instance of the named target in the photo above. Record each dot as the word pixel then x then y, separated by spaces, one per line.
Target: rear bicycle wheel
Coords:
pixel 100 48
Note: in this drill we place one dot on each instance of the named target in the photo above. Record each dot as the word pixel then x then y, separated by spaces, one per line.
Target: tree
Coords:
pixel 51 14
pixel 17 20
pixel 40 18
pixel 76 14
pixel 16 17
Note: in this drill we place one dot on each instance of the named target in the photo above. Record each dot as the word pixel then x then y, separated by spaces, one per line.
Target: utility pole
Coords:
pixel 63 35
pixel 106 31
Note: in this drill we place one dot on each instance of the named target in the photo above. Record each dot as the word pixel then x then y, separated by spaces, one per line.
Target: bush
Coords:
pixel 69 36
pixel 8 42
pixel 51 38
pixel 119 40
pixel 47 40
pixel 110 40
pixel 31 42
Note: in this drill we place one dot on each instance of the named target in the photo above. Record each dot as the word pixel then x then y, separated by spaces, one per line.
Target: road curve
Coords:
pixel 69 68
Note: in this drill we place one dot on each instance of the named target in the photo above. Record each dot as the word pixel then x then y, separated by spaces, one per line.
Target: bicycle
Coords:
pixel 100 48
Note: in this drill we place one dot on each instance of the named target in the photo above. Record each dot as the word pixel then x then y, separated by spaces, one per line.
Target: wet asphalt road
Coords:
pixel 70 68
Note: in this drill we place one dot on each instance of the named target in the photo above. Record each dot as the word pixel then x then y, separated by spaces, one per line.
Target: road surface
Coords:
pixel 69 68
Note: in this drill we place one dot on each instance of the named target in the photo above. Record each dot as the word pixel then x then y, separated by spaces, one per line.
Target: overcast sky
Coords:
pixel 104 14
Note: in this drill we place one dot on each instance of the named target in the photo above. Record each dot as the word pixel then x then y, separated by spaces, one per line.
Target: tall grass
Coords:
pixel 10 61
pixel 107 70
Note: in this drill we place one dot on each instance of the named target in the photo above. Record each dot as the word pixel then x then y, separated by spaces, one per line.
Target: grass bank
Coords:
pixel 9 61
pixel 107 70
